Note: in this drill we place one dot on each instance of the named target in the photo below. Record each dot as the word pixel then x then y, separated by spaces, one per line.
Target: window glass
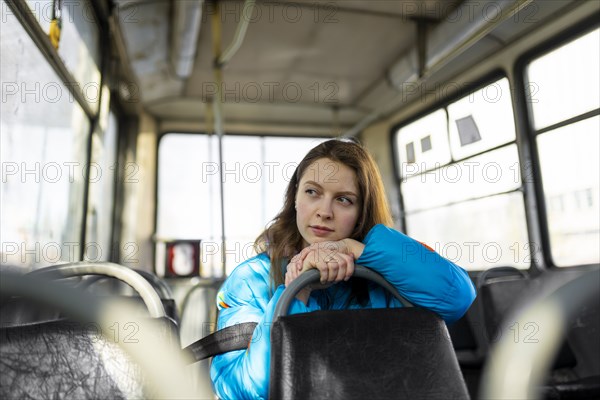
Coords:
pixel 477 234
pixel 43 152
pixel 79 46
pixel 103 170
pixel 423 144
pixel 256 173
pixel 243 187
pixel 244 195
pixel 188 194
pixel 482 120
pixel 564 83
pixel 188 187
pixel 570 165
pixel 489 173
pixel 42 11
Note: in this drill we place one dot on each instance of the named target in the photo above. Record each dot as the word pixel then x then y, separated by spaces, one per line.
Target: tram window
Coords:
pixel 256 172
pixel 42 11
pixel 482 120
pixel 472 211
pixel 564 83
pixel 563 89
pixel 103 170
pixel 476 234
pixel 188 189
pixel 452 207
pixel 431 128
pixel 570 165
pixel 43 151
pixel 79 45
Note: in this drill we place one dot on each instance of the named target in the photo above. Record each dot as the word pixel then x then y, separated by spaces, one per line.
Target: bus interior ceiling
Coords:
pixel 321 68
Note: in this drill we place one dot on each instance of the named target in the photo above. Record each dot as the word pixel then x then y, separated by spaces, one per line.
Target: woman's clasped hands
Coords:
pixel 333 259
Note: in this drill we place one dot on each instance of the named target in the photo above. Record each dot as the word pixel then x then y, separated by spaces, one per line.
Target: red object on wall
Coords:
pixel 182 258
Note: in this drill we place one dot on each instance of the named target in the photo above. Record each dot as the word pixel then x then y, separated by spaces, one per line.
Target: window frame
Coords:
pixel 525 125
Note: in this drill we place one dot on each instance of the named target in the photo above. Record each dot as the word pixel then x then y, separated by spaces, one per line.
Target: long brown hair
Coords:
pixel 281 239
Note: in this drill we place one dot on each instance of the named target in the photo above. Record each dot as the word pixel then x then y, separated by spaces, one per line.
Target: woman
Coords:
pixel 335 215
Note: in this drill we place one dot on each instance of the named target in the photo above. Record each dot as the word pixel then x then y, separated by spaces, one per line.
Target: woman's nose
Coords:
pixel 324 211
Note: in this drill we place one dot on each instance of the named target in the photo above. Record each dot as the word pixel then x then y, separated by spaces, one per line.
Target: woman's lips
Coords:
pixel 320 230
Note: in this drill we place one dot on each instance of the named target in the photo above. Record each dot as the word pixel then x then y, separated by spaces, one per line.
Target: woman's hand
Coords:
pixel 333 259
pixel 294 269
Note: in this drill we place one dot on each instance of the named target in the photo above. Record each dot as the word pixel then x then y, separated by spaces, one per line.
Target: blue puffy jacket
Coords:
pixel 422 276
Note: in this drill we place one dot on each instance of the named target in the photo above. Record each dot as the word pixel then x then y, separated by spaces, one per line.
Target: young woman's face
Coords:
pixel 327 202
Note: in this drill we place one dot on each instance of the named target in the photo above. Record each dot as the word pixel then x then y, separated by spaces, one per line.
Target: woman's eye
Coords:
pixel 310 191
pixel 345 200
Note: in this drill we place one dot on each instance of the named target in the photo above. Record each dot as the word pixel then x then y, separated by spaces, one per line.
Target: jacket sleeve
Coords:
pixel 420 274
pixel 244 297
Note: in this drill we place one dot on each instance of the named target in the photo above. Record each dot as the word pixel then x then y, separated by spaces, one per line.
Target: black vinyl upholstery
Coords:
pixel 64 360
pixel 46 356
pixel 403 353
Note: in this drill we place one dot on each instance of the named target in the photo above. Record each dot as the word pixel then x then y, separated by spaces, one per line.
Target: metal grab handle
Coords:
pixel 163 290
pixel 127 275
pixel 313 275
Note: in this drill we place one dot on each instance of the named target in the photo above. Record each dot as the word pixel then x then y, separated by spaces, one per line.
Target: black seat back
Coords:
pixel 498 297
pixel 500 290
pixel 62 359
pixel 403 353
